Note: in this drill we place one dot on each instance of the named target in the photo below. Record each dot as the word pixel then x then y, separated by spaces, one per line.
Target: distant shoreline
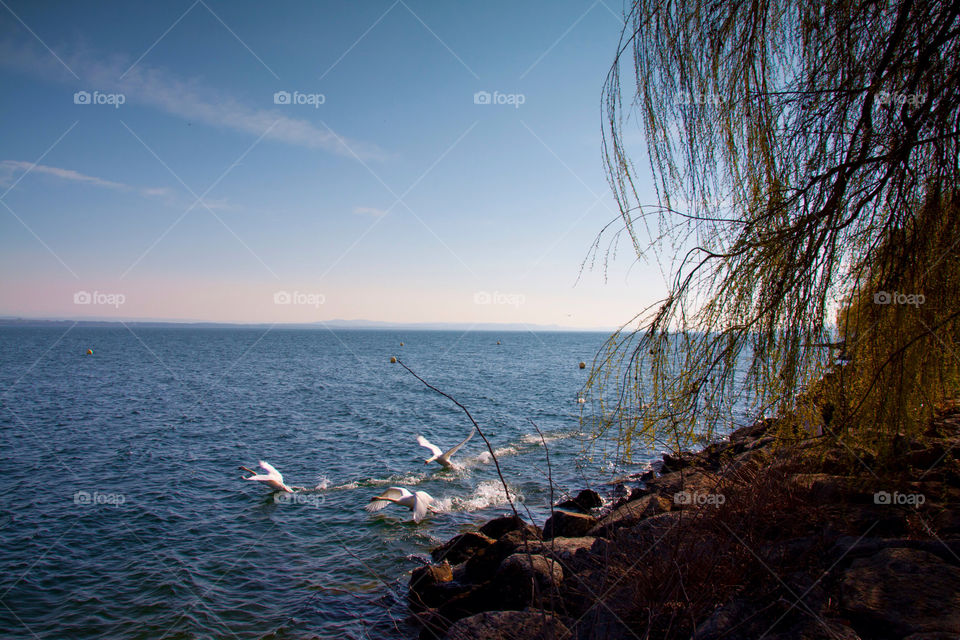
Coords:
pixel 359 325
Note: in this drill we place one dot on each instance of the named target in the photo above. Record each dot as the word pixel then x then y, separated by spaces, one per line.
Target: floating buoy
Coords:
pixel 393 360
pixel 583 365
pixel 581 400
pixel 401 344
pixel 498 342
pixel 89 352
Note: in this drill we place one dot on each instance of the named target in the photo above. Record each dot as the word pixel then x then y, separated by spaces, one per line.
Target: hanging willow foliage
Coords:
pixel 800 154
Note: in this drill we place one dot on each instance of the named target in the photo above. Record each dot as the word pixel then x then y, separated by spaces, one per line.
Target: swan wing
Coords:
pixel 390 495
pixel 437 451
pixel 457 448
pixel 269 468
pixel 421 504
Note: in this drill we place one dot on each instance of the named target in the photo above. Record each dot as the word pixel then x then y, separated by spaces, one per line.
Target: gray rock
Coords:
pixel 462 547
pixel 567 524
pixel 509 625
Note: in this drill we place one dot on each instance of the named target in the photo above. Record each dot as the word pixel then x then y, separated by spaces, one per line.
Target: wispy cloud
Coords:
pixel 192 99
pixel 11 168
pixel 370 211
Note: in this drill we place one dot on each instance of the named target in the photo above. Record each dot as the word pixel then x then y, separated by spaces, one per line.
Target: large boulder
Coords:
pixel 823 487
pixel 509 625
pixel 562 549
pixel 689 480
pixel 427 585
pixel 753 431
pixel 568 524
pixel 741 618
pixel 677 461
pixel 523 579
pixel 630 514
pixel 497 527
pixel 900 591
pixel 483 564
pixel 585 501
pixel 462 547
pixel 518 581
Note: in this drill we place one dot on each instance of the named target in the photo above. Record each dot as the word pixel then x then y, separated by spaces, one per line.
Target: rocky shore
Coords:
pixel 756 536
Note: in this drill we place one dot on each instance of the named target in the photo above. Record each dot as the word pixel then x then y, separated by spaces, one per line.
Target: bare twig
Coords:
pixel 496 462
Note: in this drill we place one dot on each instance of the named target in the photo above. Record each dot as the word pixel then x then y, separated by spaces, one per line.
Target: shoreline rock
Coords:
pixel 749 537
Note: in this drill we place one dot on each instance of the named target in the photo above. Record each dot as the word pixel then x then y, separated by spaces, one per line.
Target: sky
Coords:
pixel 400 161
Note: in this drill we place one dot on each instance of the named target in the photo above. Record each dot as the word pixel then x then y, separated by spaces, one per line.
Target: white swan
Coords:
pixel 439 455
pixel 272 478
pixel 419 502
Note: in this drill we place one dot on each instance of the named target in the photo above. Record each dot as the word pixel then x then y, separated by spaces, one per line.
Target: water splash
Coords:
pixel 486 494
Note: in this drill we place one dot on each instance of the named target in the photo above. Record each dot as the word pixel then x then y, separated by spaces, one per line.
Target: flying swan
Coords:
pixel 443 457
pixel 272 477
pixel 419 502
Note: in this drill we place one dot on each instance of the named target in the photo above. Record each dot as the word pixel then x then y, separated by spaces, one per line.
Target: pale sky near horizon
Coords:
pixel 399 161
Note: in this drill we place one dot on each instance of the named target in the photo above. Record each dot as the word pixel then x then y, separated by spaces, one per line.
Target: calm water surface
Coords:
pixel 123 513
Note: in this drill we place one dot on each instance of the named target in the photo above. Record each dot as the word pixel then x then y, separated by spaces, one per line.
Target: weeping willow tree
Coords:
pixel 805 165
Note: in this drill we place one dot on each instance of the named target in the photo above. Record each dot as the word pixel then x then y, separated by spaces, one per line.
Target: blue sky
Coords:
pixel 149 158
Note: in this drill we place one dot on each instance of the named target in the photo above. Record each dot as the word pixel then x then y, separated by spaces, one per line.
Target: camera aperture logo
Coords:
pixel 307 499
pixel 899 499
pixel 297 98
pixel 99 298
pixel 485 97
pixel 687 98
pixel 97 97
pixel 497 297
pixel 95 498
pixel 886 297
pixel 900 99
pixel 299 298
pixel 694 498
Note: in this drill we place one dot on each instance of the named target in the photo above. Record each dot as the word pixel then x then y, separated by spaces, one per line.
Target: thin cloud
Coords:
pixel 191 99
pixel 369 211
pixel 11 168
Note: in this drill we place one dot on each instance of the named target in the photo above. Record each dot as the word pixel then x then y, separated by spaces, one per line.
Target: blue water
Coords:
pixel 124 515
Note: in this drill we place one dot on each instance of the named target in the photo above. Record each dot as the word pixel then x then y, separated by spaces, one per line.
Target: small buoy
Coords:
pixel 401 344
pixel 393 360
pixel 583 365
pixel 89 352
pixel 581 400
pixel 498 342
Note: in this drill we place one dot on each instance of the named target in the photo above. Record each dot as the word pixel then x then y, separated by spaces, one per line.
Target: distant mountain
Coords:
pixel 327 324
pixel 448 326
